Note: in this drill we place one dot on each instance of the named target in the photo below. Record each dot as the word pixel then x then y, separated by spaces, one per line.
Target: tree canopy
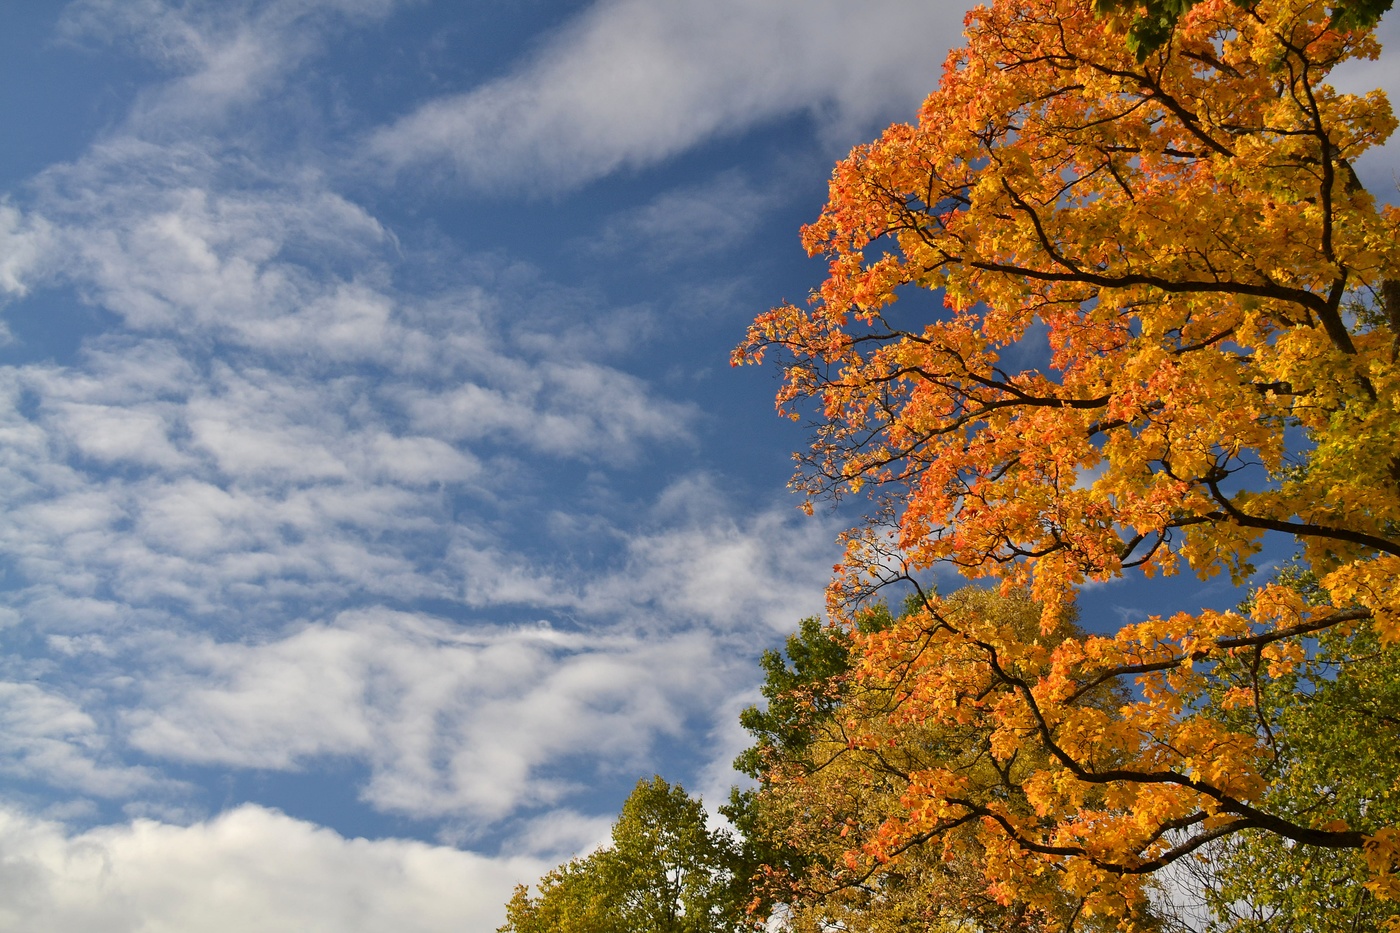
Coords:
pixel 838 752
pixel 1169 330
pixel 840 748
pixel 666 871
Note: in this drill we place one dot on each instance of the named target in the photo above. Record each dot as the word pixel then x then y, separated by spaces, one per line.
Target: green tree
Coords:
pixel 803 687
pixel 665 872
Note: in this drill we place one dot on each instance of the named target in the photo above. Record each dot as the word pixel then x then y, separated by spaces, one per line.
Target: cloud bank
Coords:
pixel 249 869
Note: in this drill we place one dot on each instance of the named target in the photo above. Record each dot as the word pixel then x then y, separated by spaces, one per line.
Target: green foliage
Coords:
pixel 801 688
pixel 803 685
pixel 665 872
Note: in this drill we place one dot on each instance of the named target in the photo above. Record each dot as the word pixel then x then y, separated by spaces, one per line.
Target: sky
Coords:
pixel 379 503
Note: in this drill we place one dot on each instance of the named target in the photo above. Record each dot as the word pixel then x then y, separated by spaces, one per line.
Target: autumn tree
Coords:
pixel 834 754
pixel 834 758
pixel 666 871
pixel 1169 331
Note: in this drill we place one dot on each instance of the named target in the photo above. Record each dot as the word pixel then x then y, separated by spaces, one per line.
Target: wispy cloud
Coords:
pixel 689 223
pixel 275 421
pixel 692 562
pixel 221 57
pixel 23 241
pixel 453 721
pixel 631 82
pixel 285 503
pixel 273 446
pixel 575 408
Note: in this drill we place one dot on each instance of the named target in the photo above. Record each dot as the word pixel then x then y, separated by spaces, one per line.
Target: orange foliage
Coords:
pixel 1171 326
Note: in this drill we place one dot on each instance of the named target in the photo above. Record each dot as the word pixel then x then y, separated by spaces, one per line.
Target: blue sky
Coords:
pixel 379 502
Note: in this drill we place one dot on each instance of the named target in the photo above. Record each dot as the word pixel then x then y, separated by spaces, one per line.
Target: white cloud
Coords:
pixel 144 232
pixel 562 834
pixel 455 722
pixel 207 506
pixel 458 722
pixel 266 440
pixel 250 870
pixel 631 82
pixel 693 562
pixel 572 409
pixel 23 241
pixel 114 434
pixel 49 739
pixel 234 488
pixel 265 429
pixel 149 472
pixel 754 574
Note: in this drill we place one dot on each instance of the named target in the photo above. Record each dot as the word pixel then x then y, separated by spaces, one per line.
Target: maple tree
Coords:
pixel 1170 330
pixel 834 758
pixel 835 753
